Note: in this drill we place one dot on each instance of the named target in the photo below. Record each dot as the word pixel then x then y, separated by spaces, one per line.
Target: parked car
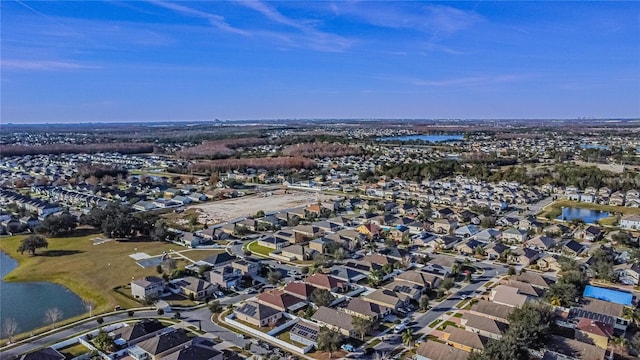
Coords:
pixel 348 348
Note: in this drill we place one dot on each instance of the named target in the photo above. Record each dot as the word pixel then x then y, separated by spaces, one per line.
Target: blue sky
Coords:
pixel 86 61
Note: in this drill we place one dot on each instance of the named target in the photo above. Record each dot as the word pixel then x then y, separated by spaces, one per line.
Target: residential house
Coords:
pixel 335 320
pixel 43 354
pixel 388 298
pixel 220 259
pixel 160 345
pixel 507 295
pixel 225 276
pixel 321 245
pixel 369 230
pixel 305 332
pixel 548 262
pixel 364 309
pixel 423 279
pixel 198 288
pixel 594 332
pixel 491 310
pixel 484 325
pixel 327 282
pixel 280 300
pixel 515 235
pixel 247 266
pixel 443 213
pixel 300 290
pixel 139 331
pixel 347 274
pixel 190 239
pixel 257 314
pixel 405 289
pixel 603 311
pixel 149 287
pixel 399 233
pixel 295 252
pixel 591 233
pixel 630 221
pixel 572 349
pixel 464 340
pixel 573 247
pixel 444 226
pixel 628 274
pixel 200 348
pixel 447 242
pixel 440 265
pixel 540 242
pixel 495 250
pixel 524 256
pixel 433 350
pixel 533 278
pixel 467 231
pixel 487 235
pixel 468 247
pixel 273 242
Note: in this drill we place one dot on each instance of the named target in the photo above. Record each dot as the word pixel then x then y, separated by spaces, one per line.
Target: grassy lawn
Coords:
pixel 608 221
pixel 91 271
pixel 73 351
pixel 458 315
pixel 284 336
pixel 435 323
pixel 559 204
pixel 197 255
pixel 375 342
pixel 462 303
pixel 445 324
pixel 258 249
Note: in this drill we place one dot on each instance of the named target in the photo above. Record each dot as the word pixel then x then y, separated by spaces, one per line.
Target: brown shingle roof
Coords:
pixel 466 338
pixel 299 289
pixel 333 317
pixel 484 323
pixel 278 299
pixel 437 351
pixel 324 281
pixel 492 309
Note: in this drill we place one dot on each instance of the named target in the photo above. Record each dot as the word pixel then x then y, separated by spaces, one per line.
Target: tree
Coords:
pixel 447 283
pixel 424 302
pixel 375 277
pixel 169 265
pixel 328 340
pixel 273 277
pixel 55 225
pixel 103 341
pixel 562 293
pixel 215 307
pixel 52 316
pixel 322 297
pixel 531 323
pixel 407 337
pixel 511 270
pixel 31 243
pixel 9 328
pixel 160 231
pixel 362 326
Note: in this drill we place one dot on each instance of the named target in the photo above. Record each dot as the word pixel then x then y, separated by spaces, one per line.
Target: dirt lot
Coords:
pixel 226 210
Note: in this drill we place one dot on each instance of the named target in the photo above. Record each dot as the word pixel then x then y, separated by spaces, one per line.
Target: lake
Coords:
pixel 27 302
pixel 426 138
pixel 594 146
pixel 588 216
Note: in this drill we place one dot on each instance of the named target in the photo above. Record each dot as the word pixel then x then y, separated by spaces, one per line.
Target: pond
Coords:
pixel 426 138
pixel 27 302
pixel 587 215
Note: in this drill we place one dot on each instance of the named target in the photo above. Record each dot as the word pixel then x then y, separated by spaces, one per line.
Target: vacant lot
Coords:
pixel 225 210
pixel 91 271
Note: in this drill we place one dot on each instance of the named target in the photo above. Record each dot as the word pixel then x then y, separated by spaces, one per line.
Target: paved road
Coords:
pixel 393 341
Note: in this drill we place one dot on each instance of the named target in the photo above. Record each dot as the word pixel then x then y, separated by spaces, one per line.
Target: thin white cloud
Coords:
pixel 465 81
pixel 307 35
pixel 44 65
pixel 215 20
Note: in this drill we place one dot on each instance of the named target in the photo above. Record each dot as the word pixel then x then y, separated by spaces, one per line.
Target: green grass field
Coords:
pixel 91 271
pixel 258 249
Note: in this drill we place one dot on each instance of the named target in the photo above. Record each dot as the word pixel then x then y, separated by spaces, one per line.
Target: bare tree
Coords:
pixel 9 328
pixel 52 316
pixel 380 355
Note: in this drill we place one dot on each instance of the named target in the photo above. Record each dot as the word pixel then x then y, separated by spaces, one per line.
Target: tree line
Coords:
pixel 320 150
pixel 271 163
pixel 123 148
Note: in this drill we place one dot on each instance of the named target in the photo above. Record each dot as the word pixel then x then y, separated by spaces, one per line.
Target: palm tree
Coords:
pixel 371 246
pixel 375 277
pixel 407 337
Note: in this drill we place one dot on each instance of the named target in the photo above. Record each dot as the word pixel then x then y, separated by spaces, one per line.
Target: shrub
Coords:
pixel 160 312
pixel 130 313
pixel 100 320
